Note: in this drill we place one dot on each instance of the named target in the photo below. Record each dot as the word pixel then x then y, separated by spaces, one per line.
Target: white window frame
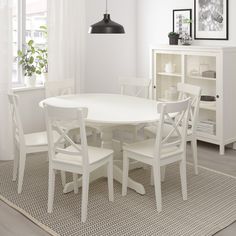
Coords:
pixel 21 26
pixel 21 40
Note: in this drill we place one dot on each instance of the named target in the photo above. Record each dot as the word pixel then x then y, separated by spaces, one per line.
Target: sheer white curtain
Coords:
pixel 6 151
pixel 66 40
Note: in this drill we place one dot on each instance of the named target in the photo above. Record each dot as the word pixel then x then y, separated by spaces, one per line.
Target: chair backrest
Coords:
pixel 18 132
pixel 188 90
pixel 138 87
pixel 59 88
pixel 62 120
pixel 176 115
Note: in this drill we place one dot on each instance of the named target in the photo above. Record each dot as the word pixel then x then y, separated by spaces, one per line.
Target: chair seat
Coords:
pixel 146 148
pixel 38 138
pixel 167 128
pixel 95 155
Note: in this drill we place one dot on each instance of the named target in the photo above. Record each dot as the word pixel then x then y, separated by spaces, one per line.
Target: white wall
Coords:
pixel 154 22
pixel 110 56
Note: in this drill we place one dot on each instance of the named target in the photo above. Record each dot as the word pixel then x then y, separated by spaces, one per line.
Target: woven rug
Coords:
pixel 211 204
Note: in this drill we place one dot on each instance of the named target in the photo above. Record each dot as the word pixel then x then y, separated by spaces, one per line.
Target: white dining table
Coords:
pixel 107 111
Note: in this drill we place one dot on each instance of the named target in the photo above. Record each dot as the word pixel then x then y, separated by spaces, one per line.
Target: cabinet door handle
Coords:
pixel 217 96
pixel 154 87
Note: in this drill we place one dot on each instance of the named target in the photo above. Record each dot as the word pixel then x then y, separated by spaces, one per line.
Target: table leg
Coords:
pixel 106 136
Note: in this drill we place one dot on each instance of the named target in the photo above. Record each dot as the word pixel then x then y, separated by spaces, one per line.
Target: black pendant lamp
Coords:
pixel 106 26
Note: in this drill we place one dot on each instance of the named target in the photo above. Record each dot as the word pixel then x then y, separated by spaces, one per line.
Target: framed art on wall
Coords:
pixel 211 19
pixel 182 21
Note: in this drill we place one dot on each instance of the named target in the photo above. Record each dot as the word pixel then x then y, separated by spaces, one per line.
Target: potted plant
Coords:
pixel 185 38
pixel 33 61
pixel 173 38
pixel 44 52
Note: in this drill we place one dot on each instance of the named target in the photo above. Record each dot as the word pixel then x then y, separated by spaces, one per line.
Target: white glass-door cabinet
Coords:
pixel 211 68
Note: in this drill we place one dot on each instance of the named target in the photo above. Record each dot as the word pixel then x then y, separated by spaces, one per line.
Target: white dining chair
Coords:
pixel 59 87
pixel 24 143
pixel 77 159
pixel 138 87
pixel 194 92
pixel 162 150
pixel 134 86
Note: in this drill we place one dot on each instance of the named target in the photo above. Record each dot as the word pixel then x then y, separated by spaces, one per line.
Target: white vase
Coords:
pixel 30 81
pixel 170 68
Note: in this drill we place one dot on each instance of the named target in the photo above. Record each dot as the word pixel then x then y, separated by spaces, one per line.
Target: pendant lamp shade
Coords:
pixel 106 26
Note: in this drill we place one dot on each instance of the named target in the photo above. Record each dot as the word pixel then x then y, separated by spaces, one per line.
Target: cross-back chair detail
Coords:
pixel 138 87
pixel 59 87
pixel 75 158
pixel 193 92
pixel 165 140
pixel 185 91
pixel 163 149
pixel 57 118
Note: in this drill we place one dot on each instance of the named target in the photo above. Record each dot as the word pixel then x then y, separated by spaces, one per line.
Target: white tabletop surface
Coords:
pixel 110 108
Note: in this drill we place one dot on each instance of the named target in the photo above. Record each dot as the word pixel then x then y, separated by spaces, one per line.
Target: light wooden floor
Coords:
pixel 13 223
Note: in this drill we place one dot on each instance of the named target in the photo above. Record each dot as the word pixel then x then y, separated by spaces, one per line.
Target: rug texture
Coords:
pixel 211 204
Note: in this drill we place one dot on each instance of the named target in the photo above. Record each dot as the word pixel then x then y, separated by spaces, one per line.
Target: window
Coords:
pixel 28 18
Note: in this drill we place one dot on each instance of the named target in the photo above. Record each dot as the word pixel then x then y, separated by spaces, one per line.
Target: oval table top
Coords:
pixel 110 108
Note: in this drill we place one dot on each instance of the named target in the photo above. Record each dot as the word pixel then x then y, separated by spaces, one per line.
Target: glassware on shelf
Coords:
pixel 202 68
pixel 186 39
pixel 171 93
pixel 170 68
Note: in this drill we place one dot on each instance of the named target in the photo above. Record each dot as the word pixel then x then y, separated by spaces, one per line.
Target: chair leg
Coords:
pixel 151 177
pixel 110 179
pixel 51 188
pixel 85 190
pixel 94 134
pixel 76 186
pixel 21 170
pixel 125 173
pixel 157 183
pixel 47 157
pixel 15 164
pixel 183 178
pixel 163 173
pixel 63 178
pixel 194 148
pixel 135 134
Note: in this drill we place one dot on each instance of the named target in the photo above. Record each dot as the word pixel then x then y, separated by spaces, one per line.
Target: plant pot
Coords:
pixel 174 40
pixel 30 81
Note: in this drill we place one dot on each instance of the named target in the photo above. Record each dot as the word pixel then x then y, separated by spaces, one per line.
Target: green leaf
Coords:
pixel 41 65
pixel 38 72
pixel 43 27
pixel 31 42
pixel 31 60
pixel 20 53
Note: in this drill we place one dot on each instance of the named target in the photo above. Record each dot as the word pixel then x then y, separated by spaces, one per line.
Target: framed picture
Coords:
pixel 211 19
pixel 182 21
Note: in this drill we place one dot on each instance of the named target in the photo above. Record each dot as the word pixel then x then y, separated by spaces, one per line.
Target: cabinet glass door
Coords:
pixel 201 71
pixel 168 72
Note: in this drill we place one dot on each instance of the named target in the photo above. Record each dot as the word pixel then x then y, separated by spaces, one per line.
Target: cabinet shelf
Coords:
pixel 204 135
pixel 208 106
pixel 202 78
pixel 169 74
